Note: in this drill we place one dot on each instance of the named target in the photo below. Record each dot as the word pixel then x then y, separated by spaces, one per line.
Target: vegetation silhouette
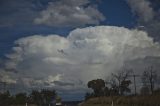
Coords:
pixel 38 98
pixel 117 90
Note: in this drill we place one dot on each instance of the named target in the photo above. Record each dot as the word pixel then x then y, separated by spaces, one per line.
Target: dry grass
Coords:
pixel 124 101
pixel 25 105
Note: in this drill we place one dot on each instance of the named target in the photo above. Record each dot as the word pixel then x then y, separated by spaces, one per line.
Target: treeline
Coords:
pixel 119 84
pixel 39 98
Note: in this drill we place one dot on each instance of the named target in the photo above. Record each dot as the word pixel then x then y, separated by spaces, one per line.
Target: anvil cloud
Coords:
pixel 68 63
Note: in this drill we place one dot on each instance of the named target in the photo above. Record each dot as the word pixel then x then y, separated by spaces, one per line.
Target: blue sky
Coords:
pixel 117 13
pixel 64 26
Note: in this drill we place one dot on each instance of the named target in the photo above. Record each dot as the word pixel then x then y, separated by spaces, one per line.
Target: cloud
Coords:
pixel 142 8
pixel 57 13
pixel 18 12
pixel 63 83
pixel 68 63
pixel 148 16
pixel 6 77
pixel 70 13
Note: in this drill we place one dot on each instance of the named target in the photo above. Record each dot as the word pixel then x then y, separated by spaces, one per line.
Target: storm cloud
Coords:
pixel 68 63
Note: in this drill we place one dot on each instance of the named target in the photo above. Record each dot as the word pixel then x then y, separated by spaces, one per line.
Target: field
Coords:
pixel 124 101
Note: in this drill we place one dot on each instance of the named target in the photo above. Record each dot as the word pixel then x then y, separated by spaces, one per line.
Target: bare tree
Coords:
pixel 134 76
pixel 149 78
pixel 120 81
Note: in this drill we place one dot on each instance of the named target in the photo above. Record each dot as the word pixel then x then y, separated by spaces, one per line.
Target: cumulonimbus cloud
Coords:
pixel 68 63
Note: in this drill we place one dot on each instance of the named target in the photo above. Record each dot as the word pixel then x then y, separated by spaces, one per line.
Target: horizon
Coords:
pixel 64 44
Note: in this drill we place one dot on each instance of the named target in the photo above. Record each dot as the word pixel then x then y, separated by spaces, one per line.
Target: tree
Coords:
pixel 114 88
pixel 124 87
pixel 157 91
pixel 44 97
pixel 120 82
pixel 47 96
pixel 5 98
pixel 107 91
pixel 97 86
pixel 149 78
pixel 20 98
pixel 144 90
pixel 36 97
pixel 58 100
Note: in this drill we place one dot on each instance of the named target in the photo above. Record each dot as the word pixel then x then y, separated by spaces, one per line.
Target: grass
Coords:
pixel 124 101
pixel 24 105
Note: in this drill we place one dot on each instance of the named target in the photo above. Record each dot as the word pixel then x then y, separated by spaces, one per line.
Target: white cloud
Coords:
pixel 6 77
pixel 148 16
pixel 85 54
pixel 70 13
pixel 142 8
pixel 52 79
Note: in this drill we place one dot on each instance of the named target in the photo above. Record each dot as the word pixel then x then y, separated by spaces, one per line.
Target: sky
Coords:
pixel 63 44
